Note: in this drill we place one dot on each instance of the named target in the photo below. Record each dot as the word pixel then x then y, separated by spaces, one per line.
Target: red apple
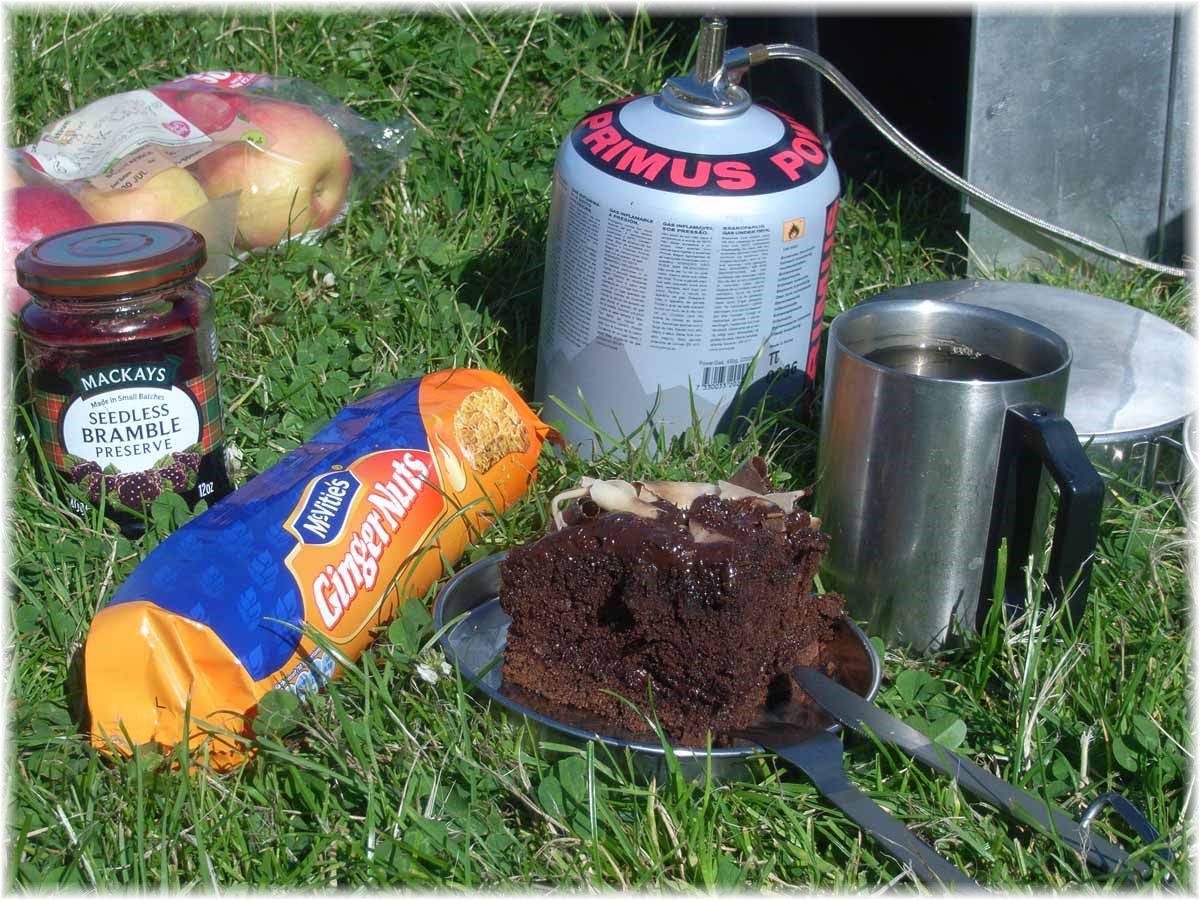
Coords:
pixel 166 196
pixel 209 111
pixel 293 172
pixel 32 161
pixel 32 214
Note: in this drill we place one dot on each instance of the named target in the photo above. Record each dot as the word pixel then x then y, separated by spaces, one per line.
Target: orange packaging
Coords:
pixel 327 543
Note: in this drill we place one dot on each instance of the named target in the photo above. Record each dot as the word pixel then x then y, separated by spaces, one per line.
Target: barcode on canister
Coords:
pixel 713 377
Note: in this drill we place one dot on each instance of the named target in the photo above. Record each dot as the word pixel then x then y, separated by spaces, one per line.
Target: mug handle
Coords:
pixel 1035 437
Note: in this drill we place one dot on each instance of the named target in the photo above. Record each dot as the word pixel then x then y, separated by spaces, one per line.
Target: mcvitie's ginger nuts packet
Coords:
pixel 331 540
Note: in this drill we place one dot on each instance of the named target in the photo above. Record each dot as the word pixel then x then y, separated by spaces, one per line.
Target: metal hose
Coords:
pixel 762 52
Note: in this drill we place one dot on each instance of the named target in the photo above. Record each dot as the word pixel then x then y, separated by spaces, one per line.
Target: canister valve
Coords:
pixel 712 89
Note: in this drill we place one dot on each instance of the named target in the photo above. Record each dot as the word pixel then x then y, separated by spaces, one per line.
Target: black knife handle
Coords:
pixel 820 758
pixel 872 722
pixel 1025 807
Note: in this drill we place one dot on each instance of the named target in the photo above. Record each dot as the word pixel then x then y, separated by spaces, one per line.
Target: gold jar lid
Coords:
pixel 111 260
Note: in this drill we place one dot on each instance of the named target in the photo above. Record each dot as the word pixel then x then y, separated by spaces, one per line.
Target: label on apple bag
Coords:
pixel 94 140
pixel 219 79
pixel 119 142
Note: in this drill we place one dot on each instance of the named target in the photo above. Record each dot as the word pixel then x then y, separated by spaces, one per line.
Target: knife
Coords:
pixel 818 754
pixel 869 720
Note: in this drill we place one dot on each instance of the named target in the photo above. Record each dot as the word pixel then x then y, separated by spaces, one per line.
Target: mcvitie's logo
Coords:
pixel 322 516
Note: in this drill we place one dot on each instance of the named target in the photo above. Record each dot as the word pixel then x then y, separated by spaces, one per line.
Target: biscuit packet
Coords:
pixel 328 542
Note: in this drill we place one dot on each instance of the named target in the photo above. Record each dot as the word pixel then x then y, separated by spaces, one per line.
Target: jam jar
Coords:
pixel 121 353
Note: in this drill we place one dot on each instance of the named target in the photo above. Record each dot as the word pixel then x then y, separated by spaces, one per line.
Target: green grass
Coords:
pixel 386 779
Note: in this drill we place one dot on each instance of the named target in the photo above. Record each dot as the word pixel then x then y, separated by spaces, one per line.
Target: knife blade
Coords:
pixel 869 720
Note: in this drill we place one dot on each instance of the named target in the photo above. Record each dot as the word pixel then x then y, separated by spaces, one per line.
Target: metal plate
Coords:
pixel 1132 372
pixel 475 639
pixel 1131 385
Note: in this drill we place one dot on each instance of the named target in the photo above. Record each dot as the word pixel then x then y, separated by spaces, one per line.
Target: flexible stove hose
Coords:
pixel 762 52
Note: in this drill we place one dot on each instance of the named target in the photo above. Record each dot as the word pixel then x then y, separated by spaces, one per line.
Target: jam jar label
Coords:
pixel 130 416
pixel 131 432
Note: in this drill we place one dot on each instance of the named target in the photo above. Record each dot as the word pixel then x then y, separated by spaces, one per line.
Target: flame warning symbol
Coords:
pixel 793 229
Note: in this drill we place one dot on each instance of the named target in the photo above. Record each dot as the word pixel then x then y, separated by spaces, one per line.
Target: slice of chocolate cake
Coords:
pixel 706 600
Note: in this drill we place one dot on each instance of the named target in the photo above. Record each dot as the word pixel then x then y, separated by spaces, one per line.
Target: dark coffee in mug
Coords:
pixel 957 362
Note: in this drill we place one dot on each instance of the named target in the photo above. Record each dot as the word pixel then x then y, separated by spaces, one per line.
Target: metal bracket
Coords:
pixel 1132 816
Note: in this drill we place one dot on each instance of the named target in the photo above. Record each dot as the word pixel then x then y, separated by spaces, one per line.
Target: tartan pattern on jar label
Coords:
pixel 50 409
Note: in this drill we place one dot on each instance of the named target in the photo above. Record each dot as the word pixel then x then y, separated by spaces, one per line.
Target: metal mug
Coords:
pixel 921 474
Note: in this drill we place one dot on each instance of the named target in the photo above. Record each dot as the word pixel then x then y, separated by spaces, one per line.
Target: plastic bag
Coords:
pixel 248 160
pixel 328 542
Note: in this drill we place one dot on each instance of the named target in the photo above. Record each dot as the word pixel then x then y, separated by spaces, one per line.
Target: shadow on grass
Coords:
pixel 506 281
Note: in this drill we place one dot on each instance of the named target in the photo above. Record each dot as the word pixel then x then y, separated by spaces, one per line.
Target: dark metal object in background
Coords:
pixel 1080 119
pixel 871 721
pixel 913 68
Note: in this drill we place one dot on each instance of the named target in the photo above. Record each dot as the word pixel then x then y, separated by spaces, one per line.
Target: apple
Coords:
pixel 207 110
pixel 32 213
pixel 32 161
pixel 11 176
pixel 292 169
pixel 167 196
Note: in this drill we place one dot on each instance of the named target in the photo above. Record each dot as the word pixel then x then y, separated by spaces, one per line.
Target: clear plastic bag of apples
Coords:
pixel 248 160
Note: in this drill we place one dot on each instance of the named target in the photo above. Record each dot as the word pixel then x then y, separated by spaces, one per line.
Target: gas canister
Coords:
pixel 687 257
